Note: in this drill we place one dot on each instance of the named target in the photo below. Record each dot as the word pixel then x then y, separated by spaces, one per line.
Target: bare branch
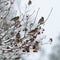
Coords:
pixel 49 15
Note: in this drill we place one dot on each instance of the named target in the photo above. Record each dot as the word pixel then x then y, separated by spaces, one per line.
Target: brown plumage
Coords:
pixel 26 49
pixel 41 21
pixel 35 46
pixel 17 40
pixel 36 43
pixel 18 35
pixel 33 31
pixel 15 18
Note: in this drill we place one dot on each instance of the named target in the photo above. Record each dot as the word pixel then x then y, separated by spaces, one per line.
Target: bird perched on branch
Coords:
pixel 41 20
pixel 33 31
pixel 18 35
pixel 15 18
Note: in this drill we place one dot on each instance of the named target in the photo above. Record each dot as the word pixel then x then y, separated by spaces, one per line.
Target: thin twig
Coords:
pixel 8 11
pixel 48 15
pixel 3 2
pixel 24 15
pixel 35 17
pixel 36 14
pixel 46 18
pixel 32 13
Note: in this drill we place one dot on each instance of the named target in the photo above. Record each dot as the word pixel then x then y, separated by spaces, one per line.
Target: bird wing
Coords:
pixel 15 18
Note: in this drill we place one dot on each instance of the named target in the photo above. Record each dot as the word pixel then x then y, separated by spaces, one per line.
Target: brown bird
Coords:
pixel 41 21
pixel 15 18
pixel 33 31
pixel 18 35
